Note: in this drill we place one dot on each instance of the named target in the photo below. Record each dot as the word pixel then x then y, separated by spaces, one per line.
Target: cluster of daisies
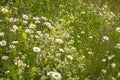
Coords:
pixel 28 30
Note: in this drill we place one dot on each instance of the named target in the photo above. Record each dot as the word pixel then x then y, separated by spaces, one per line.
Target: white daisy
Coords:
pixel 58 40
pixel 4 10
pixel 118 29
pixel 70 57
pixel 113 65
pixel 44 18
pixel 14 42
pixel 12 46
pixel 56 75
pixel 117 46
pixel 24 16
pixel 104 71
pixel 4 57
pixel 103 60
pixel 3 43
pixel 19 63
pixel 48 25
pixel 61 50
pixel 32 26
pixel 36 49
pixel 118 74
pixel 105 38
pixel 14 28
pixel 1 34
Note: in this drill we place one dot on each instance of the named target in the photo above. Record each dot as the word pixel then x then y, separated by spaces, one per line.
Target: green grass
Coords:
pixel 76 39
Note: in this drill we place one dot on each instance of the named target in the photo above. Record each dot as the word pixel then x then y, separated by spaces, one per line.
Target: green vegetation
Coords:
pixel 59 40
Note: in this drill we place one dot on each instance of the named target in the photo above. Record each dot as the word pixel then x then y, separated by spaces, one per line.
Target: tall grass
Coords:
pixel 56 39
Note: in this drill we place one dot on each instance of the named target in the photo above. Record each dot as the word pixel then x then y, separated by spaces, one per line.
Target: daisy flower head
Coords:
pixel 13 19
pixel 105 38
pixel 25 22
pixel 36 18
pixel 4 57
pixel 118 29
pixel 36 49
pixel 7 72
pixel 70 57
pixel 14 28
pixel 48 24
pixel 113 65
pixel 29 31
pixel 14 42
pixel 44 18
pixel 24 16
pixel 50 73
pixel 4 10
pixel 103 60
pixel 118 74
pixel 32 26
pixel 3 43
pixel 56 75
pixel 117 45
pixel 12 46
pixel 58 40
pixel 1 34
pixel 104 71
pixel 19 63
pixel 61 50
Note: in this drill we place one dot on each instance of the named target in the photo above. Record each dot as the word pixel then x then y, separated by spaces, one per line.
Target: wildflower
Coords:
pixel 105 38
pixel 61 50
pixel 82 32
pixel 90 52
pixel 14 28
pixel 13 19
pixel 36 18
pixel 117 46
pixel 24 16
pixel 104 71
pixel 15 42
pixel 25 22
pixel 1 34
pixel 118 74
pixel 103 60
pixel 4 10
pixel 90 37
pixel 58 40
pixel 3 43
pixel 4 57
pixel 19 63
pixel 56 75
pixel 48 25
pixel 12 46
pixel 32 26
pixel 39 33
pixel 113 65
pixel 44 18
pixel 111 57
pixel 29 31
pixel 36 49
pixel 50 73
pixel 118 29
pixel 70 57
pixel 6 72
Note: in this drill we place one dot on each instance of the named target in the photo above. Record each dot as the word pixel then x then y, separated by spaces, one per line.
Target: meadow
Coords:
pixel 59 40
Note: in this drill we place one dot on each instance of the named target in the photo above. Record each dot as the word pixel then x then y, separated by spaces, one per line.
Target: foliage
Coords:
pixel 55 39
